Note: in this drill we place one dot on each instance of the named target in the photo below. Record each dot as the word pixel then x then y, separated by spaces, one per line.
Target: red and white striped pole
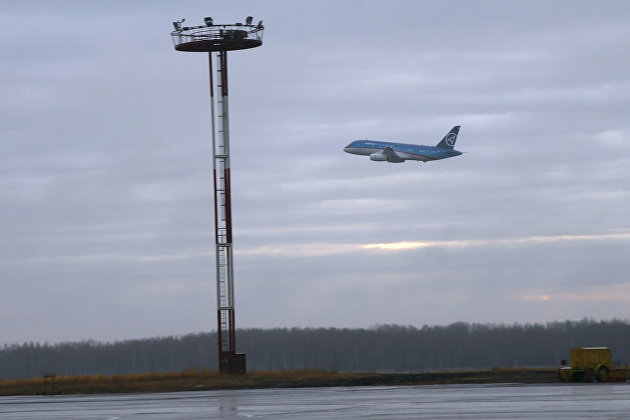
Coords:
pixel 229 361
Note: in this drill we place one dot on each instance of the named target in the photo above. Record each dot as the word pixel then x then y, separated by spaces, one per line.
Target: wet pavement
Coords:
pixel 505 401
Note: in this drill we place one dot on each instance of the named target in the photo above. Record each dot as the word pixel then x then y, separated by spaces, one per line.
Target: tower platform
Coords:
pixel 209 38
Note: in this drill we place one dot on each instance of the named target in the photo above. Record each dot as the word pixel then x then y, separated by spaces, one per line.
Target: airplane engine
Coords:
pixel 378 157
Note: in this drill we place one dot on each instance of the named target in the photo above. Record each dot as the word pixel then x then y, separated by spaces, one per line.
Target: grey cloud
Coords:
pixel 106 175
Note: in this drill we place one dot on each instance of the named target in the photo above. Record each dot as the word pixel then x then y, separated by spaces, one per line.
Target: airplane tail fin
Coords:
pixel 448 142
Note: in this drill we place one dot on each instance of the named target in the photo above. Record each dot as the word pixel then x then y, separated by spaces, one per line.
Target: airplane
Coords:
pixel 381 151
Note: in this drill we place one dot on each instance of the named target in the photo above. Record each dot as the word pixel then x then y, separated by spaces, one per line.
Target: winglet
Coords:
pixel 448 142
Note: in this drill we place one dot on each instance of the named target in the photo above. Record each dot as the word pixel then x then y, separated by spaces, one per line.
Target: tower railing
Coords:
pixel 229 37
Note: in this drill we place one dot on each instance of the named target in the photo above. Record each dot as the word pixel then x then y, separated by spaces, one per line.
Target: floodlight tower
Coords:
pixel 217 40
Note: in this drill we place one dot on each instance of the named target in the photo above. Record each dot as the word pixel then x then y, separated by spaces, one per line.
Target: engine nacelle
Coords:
pixel 378 157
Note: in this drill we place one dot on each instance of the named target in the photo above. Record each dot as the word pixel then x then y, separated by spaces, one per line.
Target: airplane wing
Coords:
pixel 389 152
pixel 391 155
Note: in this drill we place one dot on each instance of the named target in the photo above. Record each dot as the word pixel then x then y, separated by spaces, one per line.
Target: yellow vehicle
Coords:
pixel 588 363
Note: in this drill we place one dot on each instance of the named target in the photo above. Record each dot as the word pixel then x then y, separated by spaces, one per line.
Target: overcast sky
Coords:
pixel 106 176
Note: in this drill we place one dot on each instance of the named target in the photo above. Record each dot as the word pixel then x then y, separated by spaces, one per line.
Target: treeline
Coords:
pixel 385 348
